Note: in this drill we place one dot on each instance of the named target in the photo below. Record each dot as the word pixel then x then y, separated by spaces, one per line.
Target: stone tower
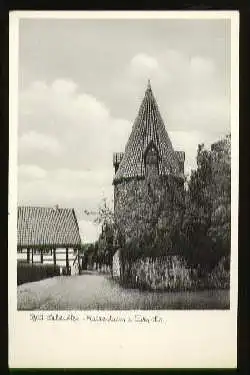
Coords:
pixel 149 175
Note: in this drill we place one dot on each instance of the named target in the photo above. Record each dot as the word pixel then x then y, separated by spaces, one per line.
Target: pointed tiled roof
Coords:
pixel 148 127
pixel 45 226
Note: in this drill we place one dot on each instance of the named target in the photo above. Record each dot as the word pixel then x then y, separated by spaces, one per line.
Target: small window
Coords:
pixel 151 160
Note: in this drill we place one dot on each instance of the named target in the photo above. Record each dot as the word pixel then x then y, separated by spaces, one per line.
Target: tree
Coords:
pixel 220 228
pixel 205 234
pixel 105 215
pixel 105 218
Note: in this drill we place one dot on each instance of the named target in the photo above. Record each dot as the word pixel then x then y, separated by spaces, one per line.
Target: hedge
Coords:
pixel 27 272
pixel 172 274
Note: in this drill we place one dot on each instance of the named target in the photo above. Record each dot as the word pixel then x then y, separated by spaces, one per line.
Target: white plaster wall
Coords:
pixel 21 256
pixel 116 264
pixel 60 259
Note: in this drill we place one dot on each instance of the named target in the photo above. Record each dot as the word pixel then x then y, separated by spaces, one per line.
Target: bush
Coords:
pixel 171 273
pixel 165 273
pixel 22 261
pixel 220 276
pixel 27 272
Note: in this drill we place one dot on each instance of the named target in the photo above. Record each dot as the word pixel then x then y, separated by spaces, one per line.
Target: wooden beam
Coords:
pixel 77 260
pixel 54 257
pixel 28 255
pixel 67 260
pixel 41 250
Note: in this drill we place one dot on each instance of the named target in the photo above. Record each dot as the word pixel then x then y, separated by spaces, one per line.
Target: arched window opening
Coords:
pixel 151 160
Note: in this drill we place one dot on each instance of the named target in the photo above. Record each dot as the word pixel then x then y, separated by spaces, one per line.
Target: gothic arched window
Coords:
pixel 151 159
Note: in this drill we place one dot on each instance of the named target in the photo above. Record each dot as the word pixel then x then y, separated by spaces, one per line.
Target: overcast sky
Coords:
pixel 81 83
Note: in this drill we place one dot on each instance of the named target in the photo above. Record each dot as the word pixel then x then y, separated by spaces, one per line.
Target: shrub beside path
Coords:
pixel 93 291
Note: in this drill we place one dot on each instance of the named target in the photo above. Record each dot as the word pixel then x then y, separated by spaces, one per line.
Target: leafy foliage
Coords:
pixel 102 251
pixel 199 228
pixel 105 215
pixel 205 231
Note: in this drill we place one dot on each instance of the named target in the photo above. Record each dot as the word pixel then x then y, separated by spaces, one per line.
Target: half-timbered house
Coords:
pixel 50 236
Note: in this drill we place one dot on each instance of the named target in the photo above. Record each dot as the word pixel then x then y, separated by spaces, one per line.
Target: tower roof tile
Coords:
pixel 147 128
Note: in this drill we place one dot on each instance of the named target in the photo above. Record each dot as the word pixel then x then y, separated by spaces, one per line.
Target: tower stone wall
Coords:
pixel 142 204
pixel 148 181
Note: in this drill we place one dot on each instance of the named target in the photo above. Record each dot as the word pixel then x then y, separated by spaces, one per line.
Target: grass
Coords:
pixel 99 292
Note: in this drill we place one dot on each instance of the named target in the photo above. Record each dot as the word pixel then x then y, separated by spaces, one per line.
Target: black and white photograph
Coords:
pixel 124 164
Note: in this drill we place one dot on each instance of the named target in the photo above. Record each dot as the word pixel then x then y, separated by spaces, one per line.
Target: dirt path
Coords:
pixel 92 291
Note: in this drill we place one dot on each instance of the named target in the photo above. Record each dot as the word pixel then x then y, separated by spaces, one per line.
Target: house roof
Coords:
pixel 147 128
pixel 43 226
